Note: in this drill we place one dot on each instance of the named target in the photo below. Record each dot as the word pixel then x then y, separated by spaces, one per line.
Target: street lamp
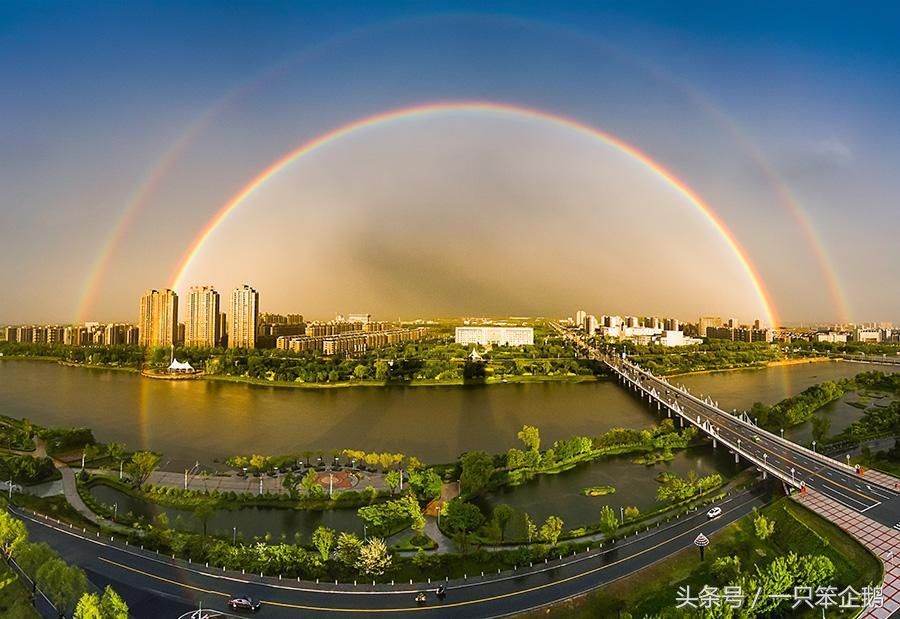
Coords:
pixel 782 432
pixel 622 514
pixel 234 536
pixel 792 474
pixel 365 531
pixel 814 445
pixel 115 510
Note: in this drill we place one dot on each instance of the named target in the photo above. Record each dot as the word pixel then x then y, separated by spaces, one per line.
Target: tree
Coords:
pixel 374 557
pixel 551 530
pixel 30 557
pixel 477 468
pixel 392 480
pixel 64 585
pixel 416 517
pixel 106 606
pixel 632 512
pixel 310 483
pixel 726 569
pixel 503 513
pixel 12 534
pixel 821 427
pixel 530 528
pixel 290 482
pixel 323 540
pixel 260 463
pixel 348 548
pixel 462 518
pixel 426 484
pixel 763 526
pixel 530 437
pixel 382 370
pixel 360 371
pixel 203 512
pixel 609 523
pixel 142 465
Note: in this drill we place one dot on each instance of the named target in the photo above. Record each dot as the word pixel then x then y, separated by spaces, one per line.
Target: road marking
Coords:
pixel 426 608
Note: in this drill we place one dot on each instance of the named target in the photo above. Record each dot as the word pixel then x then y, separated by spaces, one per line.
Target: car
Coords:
pixel 244 602
pixel 715 512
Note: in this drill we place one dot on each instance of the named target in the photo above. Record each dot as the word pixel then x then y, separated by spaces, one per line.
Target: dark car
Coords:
pixel 244 602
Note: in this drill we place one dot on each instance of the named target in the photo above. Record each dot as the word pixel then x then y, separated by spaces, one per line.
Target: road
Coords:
pixel 791 462
pixel 159 588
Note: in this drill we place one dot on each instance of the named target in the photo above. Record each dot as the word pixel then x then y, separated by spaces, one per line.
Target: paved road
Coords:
pixel 158 588
pixel 792 462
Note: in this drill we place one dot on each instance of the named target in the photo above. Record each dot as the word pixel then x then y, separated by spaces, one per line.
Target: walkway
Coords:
pixel 883 541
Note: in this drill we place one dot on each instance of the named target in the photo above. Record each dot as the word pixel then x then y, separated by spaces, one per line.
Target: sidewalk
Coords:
pixel 878 538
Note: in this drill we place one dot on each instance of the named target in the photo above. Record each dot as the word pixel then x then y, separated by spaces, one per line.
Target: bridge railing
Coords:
pixel 825 459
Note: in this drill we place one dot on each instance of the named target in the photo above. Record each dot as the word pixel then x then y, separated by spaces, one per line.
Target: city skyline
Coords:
pixel 420 196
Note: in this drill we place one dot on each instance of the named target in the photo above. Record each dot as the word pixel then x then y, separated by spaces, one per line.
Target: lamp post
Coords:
pixel 792 475
pixel 121 464
pixel 622 514
pixel 814 445
pixel 115 510
pixel 330 485
pixel 365 531
pixel 782 432
pixel 234 536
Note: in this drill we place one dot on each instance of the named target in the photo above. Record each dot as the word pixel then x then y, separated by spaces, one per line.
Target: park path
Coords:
pixel 881 540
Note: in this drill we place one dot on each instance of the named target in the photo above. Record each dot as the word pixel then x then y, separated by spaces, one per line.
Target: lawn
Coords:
pixel 652 591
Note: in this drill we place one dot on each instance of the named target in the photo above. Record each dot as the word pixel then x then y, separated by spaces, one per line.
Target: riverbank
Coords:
pixel 509 380
pixel 762 366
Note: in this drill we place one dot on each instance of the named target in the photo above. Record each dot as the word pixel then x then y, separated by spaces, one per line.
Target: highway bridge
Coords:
pixel 796 466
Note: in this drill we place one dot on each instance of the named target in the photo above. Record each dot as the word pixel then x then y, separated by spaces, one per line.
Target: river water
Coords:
pixel 210 420
pixel 206 420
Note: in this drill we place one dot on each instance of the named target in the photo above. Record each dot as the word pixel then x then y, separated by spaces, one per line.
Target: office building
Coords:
pixel 158 318
pixel 502 336
pixel 580 315
pixel 202 327
pixel 706 322
pixel 244 318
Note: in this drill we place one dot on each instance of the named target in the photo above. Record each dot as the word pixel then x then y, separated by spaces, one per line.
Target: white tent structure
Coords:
pixel 178 366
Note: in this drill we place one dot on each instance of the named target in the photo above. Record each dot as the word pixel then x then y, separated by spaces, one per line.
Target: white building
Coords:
pixel 832 337
pixel 502 336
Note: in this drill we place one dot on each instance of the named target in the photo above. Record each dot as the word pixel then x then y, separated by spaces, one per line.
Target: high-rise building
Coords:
pixel 363 319
pixel 202 327
pixel 590 324
pixel 295 319
pixel 706 322
pixel 12 334
pixel 244 318
pixel 579 317
pixel 159 318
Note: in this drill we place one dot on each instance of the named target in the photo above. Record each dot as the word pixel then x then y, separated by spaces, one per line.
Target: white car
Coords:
pixel 715 512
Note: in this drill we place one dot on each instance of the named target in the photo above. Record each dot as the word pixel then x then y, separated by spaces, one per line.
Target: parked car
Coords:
pixel 244 602
pixel 715 512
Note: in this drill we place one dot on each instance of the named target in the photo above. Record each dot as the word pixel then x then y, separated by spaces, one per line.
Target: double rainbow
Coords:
pixel 431 109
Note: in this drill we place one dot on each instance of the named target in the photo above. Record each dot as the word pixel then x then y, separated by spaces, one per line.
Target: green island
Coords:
pixel 598 491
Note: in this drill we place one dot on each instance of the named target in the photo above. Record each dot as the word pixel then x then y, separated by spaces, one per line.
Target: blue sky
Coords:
pixel 95 93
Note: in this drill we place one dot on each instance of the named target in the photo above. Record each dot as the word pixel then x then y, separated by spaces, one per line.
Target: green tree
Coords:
pixel 310 483
pixel 360 371
pixel 609 523
pixel 348 548
pixel 821 427
pixel 203 512
pixel 392 480
pixel 12 533
pixel 142 465
pixel 106 606
pixel 551 530
pixel 382 370
pixel 374 557
pixel 323 540
pixel 462 518
pixel 632 512
pixel 426 484
pixel 763 526
pixel 477 468
pixel 63 584
pixel 30 557
pixel 530 528
pixel 726 569
pixel 503 513
pixel 530 437
pixel 291 482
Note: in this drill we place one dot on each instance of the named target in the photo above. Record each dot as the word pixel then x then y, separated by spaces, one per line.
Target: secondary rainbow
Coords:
pixel 435 108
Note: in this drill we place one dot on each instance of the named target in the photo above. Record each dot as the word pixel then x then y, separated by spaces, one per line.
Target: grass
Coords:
pixel 652 590
pixel 53 506
pixel 416 541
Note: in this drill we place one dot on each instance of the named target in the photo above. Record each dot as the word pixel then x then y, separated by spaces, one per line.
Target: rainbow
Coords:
pixel 428 109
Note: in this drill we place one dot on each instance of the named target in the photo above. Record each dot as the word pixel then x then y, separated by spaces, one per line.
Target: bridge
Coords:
pixel 797 467
pixel 882 359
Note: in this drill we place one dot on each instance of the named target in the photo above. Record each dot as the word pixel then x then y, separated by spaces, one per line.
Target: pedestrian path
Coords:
pixel 883 541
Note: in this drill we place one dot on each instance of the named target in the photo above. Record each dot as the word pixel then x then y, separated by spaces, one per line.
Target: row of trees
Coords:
pixel 711 355
pixel 66 586
pixel 674 488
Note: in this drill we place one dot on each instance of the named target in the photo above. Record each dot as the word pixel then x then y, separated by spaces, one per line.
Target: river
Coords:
pixel 207 420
